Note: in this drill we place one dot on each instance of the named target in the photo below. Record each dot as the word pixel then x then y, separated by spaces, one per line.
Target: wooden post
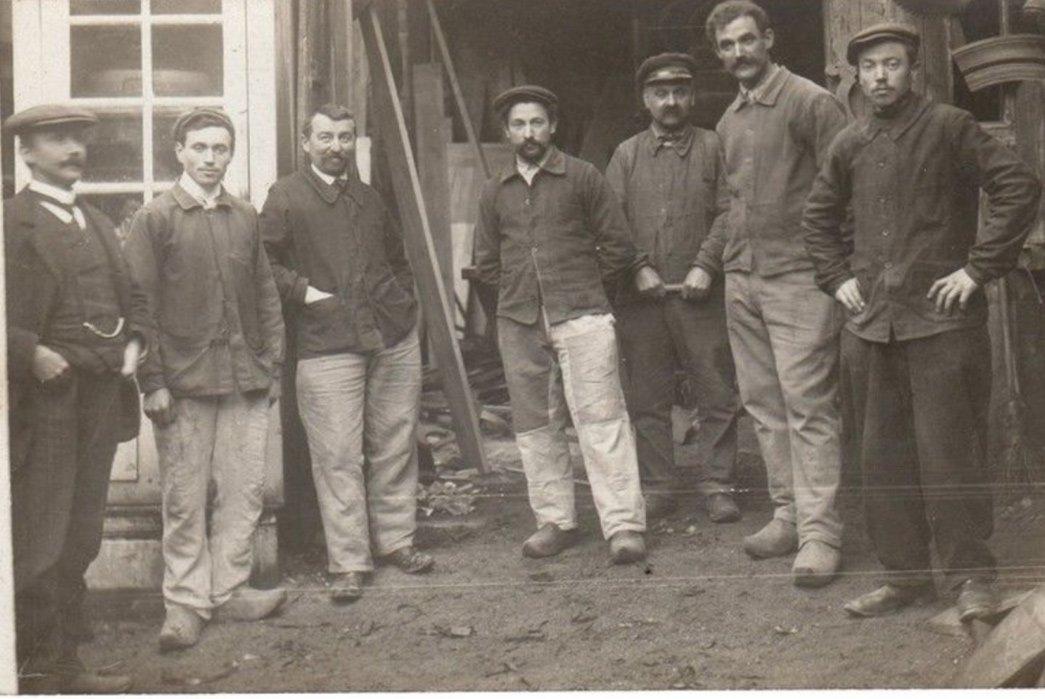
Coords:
pixel 420 249
pixel 455 85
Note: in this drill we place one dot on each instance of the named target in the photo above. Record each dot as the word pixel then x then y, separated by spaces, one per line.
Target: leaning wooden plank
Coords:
pixel 419 246
pixel 1011 654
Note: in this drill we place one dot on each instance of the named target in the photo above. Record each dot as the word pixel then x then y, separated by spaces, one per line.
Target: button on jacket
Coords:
pixel 774 139
pixel 212 294
pixel 346 244
pixel 552 243
pixel 673 193
pixel 913 182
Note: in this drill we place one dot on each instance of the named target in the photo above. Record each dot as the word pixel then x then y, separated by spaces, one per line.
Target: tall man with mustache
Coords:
pixel 348 291
pixel 915 348
pixel 669 179
pixel 76 329
pixel 549 229
pixel 196 251
pixel 783 331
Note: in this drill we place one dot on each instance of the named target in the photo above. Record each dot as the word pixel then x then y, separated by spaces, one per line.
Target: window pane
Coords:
pixel 164 165
pixel 186 7
pixel 106 61
pixel 115 151
pixel 187 61
pixel 120 208
pixel 105 7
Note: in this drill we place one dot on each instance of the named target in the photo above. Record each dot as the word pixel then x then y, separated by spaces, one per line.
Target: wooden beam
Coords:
pixel 286 110
pixel 418 237
pixel 455 86
pixel 8 668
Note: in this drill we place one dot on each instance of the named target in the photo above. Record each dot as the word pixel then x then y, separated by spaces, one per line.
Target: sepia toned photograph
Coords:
pixel 522 345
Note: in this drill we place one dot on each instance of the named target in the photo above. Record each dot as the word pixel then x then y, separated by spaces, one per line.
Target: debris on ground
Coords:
pixel 195 681
pixel 448 498
pixel 782 631
pixel 452 631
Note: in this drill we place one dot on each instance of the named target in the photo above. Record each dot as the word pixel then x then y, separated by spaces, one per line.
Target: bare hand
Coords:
pixel 849 296
pixel 275 390
pixel 697 284
pixel 159 406
pixel 649 283
pixel 312 294
pixel 48 365
pixel 131 354
pixel 958 286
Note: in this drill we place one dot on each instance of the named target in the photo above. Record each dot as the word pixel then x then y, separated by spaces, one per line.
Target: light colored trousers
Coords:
pixel 214 450
pixel 572 365
pixel 360 413
pixel 784 334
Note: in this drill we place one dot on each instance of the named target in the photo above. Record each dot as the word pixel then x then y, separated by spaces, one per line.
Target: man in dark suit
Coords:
pixel 76 329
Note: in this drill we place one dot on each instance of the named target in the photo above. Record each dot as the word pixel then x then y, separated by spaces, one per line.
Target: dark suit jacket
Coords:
pixel 37 266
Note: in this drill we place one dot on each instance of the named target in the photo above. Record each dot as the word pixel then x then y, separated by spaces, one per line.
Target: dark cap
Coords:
pixel 666 68
pixel 524 93
pixel 43 116
pixel 886 31
pixel 187 117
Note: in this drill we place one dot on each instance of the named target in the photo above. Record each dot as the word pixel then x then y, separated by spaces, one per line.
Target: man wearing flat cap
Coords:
pixel 76 328
pixel 915 350
pixel 196 251
pixel 782 330
pixel 669 180
pixel 549 229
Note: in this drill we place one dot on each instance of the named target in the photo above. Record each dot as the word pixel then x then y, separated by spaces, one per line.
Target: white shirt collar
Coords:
pixel 197 192
pixel 329 179
pixel 529 170
pixel 64 196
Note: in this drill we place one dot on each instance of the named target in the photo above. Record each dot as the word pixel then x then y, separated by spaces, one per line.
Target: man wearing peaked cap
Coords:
pixel 909 269
pixel 669 180
pixel 76 328
pixel 549 229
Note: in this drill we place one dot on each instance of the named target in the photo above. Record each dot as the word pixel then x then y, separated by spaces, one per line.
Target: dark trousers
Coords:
pixel 920 410
pixel 656 337
pixel 58 501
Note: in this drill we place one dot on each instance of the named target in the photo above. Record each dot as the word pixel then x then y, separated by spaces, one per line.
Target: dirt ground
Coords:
pixel 697 615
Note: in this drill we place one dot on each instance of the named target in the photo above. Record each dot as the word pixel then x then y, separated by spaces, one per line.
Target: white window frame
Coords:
pixel 42 74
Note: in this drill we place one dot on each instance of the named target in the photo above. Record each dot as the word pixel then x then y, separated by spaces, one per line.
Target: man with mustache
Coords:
pixel 783 331
pixel 348 291
pixel 76 329
pixel 196 251
pixel 670 182
pixel 549 228
pixel 915 348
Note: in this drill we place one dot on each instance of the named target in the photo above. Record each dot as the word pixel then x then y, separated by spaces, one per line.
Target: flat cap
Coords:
pixel 197 112
pixel 46 115
pixel 524 93
pixel 885 31
pixel 666 67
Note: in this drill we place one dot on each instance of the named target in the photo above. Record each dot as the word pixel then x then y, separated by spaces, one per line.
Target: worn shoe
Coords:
pixel 549 540
pixel 410 560
pixel 346 587
pixel 778 538
pixel 977 599
pixel 659 506
pixel 888 599
pixel 722 508
pixel 181 629
pixel 816 564
pixel 250 604
pixel 627 547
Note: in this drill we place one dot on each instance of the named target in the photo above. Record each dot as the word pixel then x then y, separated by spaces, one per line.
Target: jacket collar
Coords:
pixel 328 192
pixel 187 201
pixel 765 93
pixel 554 163
pixel 681 145
pixel 896 126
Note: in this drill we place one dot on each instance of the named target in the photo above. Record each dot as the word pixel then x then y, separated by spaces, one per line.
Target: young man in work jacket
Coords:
pixel 76 328
pixel 783 332
pixel 915 349
pixel 669 180
pixel 196 252
pixel 342 271
pixel 547 225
